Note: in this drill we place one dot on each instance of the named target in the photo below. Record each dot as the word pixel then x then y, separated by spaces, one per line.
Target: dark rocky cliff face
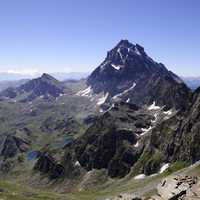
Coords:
pixel 128 72
pixel 111 142
pixel 46 164
pixel 177 139
pixel 10 146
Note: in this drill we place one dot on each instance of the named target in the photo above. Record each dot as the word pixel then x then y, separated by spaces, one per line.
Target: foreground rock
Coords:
pixel 126 197
pixel 179 187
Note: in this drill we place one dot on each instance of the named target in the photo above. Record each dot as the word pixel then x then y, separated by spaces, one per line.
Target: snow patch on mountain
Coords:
pixel 137 144
pixel 125 91
pixel 140 176
pixel 87 92
pixel 145 130
pixel 119 51
pixel 102 99
pixel 77 164
pixel 169 112
pixel 117 67
pixel 164 168
pixel 156 118
pixel 153 106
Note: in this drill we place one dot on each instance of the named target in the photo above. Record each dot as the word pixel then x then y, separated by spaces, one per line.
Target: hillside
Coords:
pixel 128 125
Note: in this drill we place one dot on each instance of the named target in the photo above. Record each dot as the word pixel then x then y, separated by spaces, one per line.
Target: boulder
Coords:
pixel 174 188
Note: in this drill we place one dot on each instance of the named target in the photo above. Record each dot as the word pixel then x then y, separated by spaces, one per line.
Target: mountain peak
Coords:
pixel 129 73
pixel 125 51
pixel 47 76
pixel 124 43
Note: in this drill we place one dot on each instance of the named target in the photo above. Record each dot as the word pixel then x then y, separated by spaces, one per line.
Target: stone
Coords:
pixel 127 196
pixel 176 188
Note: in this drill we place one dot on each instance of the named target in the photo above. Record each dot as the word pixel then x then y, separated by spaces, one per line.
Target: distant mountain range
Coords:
pixel 7 76
pixel 5 84
pixel 15 80
pixel 192 82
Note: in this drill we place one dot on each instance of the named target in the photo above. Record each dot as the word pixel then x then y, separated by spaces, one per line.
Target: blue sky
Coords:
pixel 74 35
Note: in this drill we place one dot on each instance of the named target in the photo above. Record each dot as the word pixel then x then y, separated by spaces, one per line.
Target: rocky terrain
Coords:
pixel 130 124
pixel 172 188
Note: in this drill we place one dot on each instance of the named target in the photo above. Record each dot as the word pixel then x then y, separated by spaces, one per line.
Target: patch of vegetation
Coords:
pixel 176 167
pixel 148 162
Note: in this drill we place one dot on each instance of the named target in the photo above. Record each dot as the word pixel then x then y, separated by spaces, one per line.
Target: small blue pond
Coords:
pixel 62 143
pixel 32 155
pixel 68 140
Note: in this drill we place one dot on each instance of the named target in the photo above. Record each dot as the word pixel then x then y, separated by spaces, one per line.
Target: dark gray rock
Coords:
pixel 128 65
pixel 110 142
pixel 10 146
pixel 46 164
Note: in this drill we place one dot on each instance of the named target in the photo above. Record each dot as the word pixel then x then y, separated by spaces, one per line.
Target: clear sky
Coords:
pixel 74 35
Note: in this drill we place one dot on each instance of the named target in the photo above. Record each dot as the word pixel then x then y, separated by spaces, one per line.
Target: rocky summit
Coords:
pixel 129 74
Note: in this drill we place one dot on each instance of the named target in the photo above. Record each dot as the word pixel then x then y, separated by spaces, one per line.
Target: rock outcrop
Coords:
pixel 177 138
pixel 178 187
pixel 10 146
pixel 47 165
pixel 114 141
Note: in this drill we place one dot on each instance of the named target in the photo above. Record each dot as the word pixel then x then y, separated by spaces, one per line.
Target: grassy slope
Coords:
pixel 15 191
